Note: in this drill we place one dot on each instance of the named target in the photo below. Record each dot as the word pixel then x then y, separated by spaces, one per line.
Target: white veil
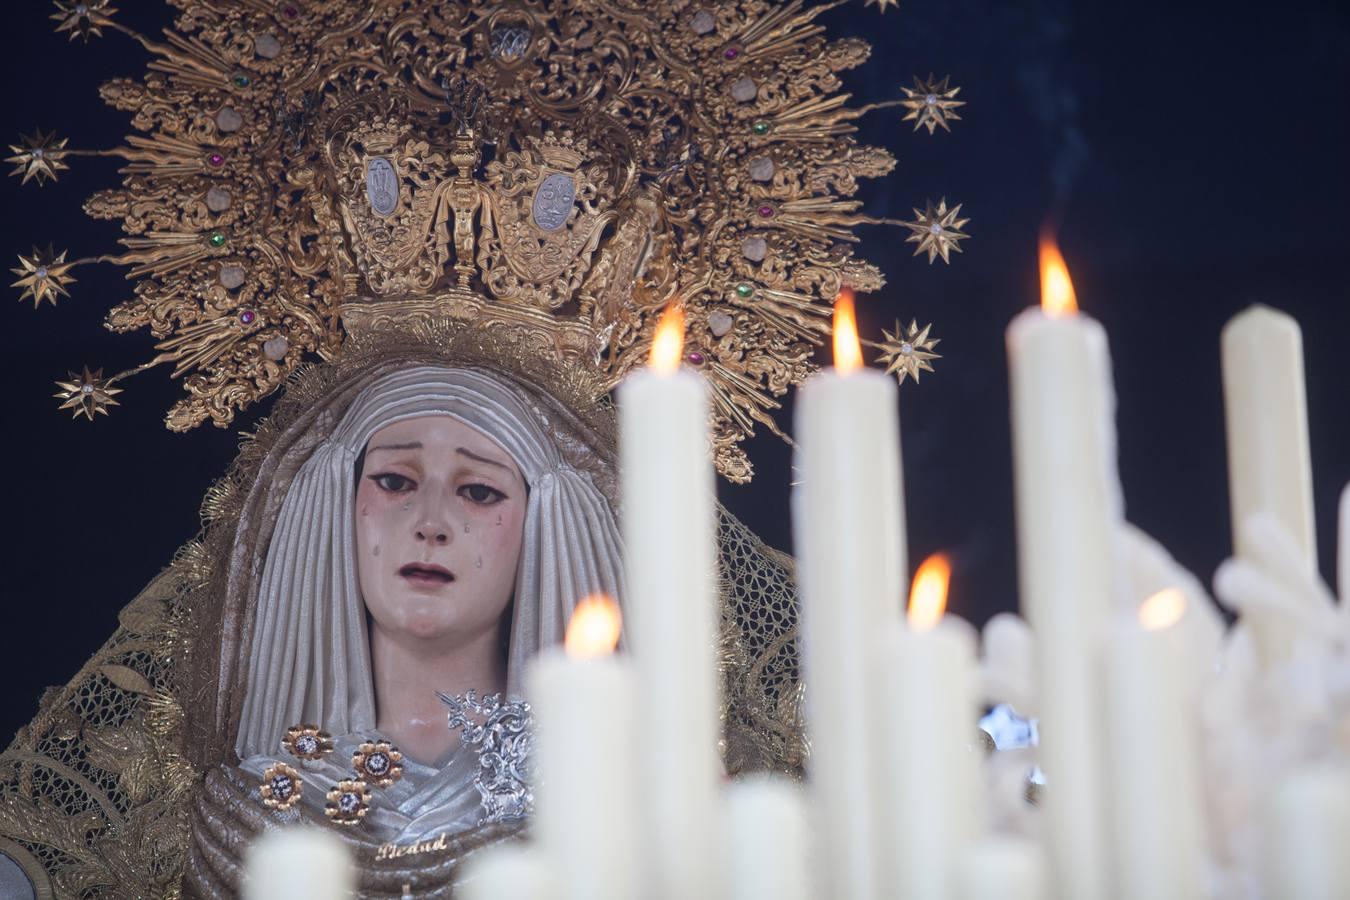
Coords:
pixel 309 660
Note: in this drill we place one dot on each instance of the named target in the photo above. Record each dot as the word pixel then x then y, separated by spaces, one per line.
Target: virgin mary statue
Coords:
pixel 441 233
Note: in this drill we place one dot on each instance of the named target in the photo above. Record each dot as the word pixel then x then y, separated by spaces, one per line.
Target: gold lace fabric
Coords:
pixel 99 792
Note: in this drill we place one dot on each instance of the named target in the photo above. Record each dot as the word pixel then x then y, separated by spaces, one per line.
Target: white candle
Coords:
pixel 298 862
pixel 1308 833
pixel 931 771
pixel 1269 463
pixel 848 532
pixel 586 798
pixel 1157 800
pixel 1003 868
pixel 1066 513
pixel 767 853
pixel 672 610
pixel 514 871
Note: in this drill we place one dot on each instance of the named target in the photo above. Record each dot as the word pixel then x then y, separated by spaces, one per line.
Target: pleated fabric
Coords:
pixel 310 657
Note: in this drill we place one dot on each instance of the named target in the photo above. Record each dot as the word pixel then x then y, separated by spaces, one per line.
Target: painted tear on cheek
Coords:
pixel 375 551
pixel 479 564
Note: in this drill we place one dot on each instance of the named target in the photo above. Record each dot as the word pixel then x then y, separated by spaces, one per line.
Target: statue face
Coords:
pixel 440 514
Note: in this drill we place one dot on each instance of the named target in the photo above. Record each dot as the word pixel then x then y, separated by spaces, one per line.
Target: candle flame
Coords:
pixel 594 628
pixel 668 342
pixel 1163 610
pixel 928 596
pixel 847 349
pixel 1057 296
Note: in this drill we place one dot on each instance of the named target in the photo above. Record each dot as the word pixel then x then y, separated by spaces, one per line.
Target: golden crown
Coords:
pixel 556 171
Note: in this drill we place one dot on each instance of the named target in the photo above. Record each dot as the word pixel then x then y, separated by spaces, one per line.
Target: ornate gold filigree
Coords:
pixel 561 169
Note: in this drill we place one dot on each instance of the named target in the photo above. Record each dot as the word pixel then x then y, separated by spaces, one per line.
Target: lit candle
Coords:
pixel 931 771
pixel 672 610
pixel 296 862
pixel 1156 792
pixel 767 830
pixel 1003 868
pixel 586 798
pixel 848 531
pixel 1067 506
pixel 1269 463
pixel 516 871
pixel 1308 833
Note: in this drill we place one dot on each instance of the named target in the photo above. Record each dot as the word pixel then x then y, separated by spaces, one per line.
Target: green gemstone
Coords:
pixel 217 239
pixel 744 289
pixel 760 128
pixel 241 81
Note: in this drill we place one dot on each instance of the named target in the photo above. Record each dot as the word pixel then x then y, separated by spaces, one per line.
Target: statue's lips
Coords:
pixel 426 575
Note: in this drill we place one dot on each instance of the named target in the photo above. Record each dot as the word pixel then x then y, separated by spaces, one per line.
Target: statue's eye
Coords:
pixel 393 482
pixel 481 494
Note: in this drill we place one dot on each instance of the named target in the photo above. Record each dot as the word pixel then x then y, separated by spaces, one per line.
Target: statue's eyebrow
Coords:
pixel 482 459
pixel 464 451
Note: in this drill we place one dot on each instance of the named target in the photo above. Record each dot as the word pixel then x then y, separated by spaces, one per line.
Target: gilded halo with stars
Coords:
pixel 932 103
pixel 38 156
pixel 87 393
pixel 937 231
pixel 43 275
pixel 85 18
pixel 907 352
pixel 882 5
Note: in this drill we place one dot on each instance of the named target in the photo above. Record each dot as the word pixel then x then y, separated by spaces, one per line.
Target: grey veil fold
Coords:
pixel 309 659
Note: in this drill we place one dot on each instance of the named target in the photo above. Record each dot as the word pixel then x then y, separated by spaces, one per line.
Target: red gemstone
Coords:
pixel 731 53
pixel 216 160
pixel 246 317
pixel 766 211
pixel 290 11
pixel 695 358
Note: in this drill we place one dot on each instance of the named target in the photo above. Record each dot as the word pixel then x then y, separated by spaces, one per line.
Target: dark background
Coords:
pixel 1193 154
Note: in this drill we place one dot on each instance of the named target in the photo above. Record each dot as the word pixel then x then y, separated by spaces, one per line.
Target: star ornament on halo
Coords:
pixel 907 352
pixel 931 103
pixel 43 275
pixel 937 231
pixel 85 18
pixel 882 5
pixel 38 156
pixel 87 393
